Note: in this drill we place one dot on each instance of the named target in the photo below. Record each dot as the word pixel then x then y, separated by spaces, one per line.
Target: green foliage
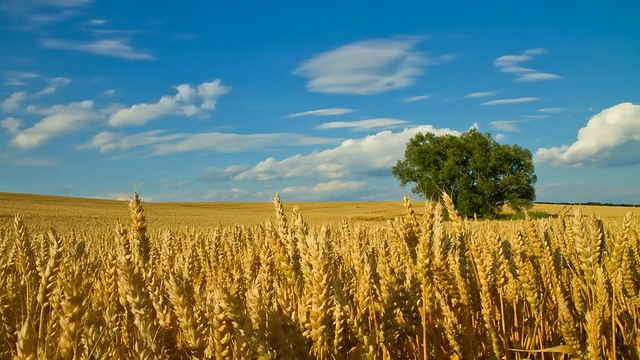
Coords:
pixel 478 173
pixel 521 215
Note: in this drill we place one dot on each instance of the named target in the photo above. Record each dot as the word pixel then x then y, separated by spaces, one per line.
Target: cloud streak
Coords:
pixel 362 124
pixel 322 112
pixel 481 94
pixel 163 143
pixel 512 64
pixel 111 47
pixel 511 101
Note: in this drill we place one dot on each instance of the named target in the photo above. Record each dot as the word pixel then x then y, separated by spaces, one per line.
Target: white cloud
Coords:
pixel 536 51
pixel 552 110
pixel 60 120
pixel 371 155
pixel 12 103
pixel 113 47
pixel 511 64
pixel 47 90
pixel 12 125
pixel 322 190
pixel 610 138
pixel 416 98
pixel 108 141
pixel 500 137
pixel 109 92
pixel 163 143
pixel 322 112
pixel 481 94
pixel 42 12
pixel 55 83
pixel 510 101
pixel 365 67
pixel 214 174
pixel 18 78
pixel 183 103
pixel 538 76
pixel 61 80
pixel 363 124
pixel 97 22
pixel 231 143
pixel 506 125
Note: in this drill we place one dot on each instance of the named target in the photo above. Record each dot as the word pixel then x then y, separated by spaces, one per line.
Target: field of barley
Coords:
pixel 97 279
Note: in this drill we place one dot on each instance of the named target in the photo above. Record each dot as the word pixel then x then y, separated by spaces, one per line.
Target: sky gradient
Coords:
pixel 234 101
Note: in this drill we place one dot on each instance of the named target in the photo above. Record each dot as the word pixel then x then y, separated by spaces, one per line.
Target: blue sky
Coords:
pixel 234 101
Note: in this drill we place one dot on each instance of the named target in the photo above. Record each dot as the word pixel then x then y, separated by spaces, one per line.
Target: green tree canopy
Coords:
pixel 478 173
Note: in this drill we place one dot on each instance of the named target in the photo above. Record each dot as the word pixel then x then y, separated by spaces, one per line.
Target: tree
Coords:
pixel 479 174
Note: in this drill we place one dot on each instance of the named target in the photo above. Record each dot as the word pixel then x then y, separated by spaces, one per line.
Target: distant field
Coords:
pixel 58 211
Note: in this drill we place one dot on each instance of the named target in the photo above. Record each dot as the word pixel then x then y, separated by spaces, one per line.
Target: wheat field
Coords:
pixel 416 282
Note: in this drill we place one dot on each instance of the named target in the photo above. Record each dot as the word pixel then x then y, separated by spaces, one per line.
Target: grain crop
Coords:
pixel 424 283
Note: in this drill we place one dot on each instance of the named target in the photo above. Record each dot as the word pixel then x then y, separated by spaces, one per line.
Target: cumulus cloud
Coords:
pixel 365 67
pixel 610 138
pixel 322 112
pixel 183 103
pixel 371 155
pixel 59 120
pixel 511 101
pixel 512 64
pixel 12 103
pixel 111 47
pixel 363 124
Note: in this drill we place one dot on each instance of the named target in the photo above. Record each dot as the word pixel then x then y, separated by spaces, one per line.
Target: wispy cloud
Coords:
pixel 113 47
pixel 506 125
pixel 416 98
pixel 511 101
pixel 164 143
pixel 33 14
pixel 610 138
pixel 55 83
pixel 363 124
pixel 511 64
pixel 18 78
pixel 11 125
pixel 213 174
pixel 184 103
pixel 59 120
pixel 12 103
pixel 333 188
pixel 322 112
pixel 552 110
pixel 481 94
pixel 110 141
pixel 365 67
